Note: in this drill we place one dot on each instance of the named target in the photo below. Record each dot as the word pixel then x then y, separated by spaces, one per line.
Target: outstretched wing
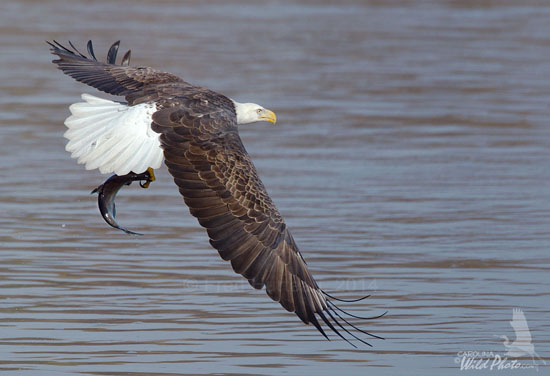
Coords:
pixel 108 77
pixel 519 324
pixel 219 183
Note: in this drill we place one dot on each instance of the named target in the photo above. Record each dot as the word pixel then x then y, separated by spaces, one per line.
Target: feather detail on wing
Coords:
pixel 112 136
pixel 220 185
pixel 108 77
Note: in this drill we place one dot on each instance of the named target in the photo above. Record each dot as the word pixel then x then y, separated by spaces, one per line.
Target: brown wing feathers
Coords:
pixel 217 179
pixel 107 77
pixel 222 189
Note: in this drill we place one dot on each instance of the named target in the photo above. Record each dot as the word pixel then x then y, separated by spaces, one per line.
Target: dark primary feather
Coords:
pixel 111 55
pixel 90 49
pixel 218 181
pixel 126 58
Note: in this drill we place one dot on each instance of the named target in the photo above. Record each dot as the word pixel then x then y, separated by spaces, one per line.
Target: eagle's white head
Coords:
pixel 252 112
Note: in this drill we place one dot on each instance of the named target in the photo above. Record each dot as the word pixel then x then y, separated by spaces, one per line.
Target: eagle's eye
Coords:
pixel 259 110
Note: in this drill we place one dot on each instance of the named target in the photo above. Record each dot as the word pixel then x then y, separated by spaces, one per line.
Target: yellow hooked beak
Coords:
pixel 268 115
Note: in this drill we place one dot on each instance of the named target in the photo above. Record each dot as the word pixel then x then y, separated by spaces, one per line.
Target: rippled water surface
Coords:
pixel 410 160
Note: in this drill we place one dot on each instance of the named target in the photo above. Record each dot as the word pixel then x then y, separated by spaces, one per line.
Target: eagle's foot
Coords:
pixel 150 177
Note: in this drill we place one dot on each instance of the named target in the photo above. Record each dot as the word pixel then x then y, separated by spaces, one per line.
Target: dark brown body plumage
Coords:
pixel 215 175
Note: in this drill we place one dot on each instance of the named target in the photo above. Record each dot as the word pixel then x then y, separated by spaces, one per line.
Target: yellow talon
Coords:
pixel 152 173
pixel 150 179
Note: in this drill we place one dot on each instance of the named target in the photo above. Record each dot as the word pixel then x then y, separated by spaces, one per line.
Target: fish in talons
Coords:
pixel 108 191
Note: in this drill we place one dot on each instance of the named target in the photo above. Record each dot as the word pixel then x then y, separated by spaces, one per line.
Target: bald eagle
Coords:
pixel 194 130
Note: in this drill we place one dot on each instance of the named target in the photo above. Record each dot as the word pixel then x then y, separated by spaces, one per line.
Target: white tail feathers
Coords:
pixel 112 136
